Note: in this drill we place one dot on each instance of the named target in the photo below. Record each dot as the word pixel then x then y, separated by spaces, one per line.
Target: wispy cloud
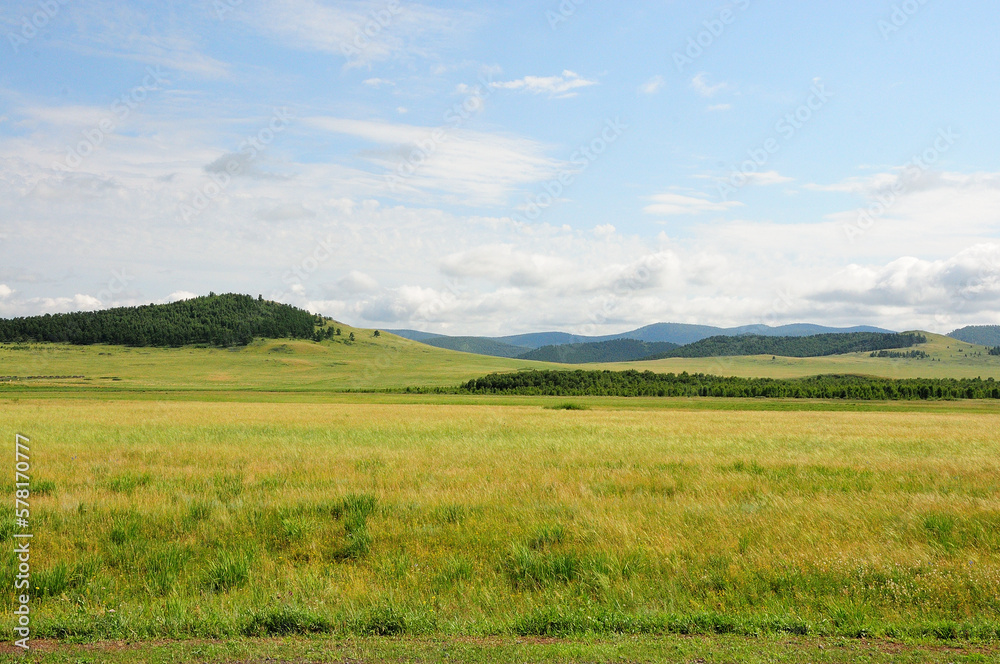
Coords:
pixel 678 204
pixel 559 87
pixel 704 88
pixel 362 31
pixel 478 166
pixel 652 86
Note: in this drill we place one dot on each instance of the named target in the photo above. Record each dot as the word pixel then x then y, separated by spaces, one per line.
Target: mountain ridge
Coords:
pixel 676 333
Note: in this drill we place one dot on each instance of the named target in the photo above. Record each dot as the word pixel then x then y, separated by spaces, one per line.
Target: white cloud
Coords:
pixel 478 166
pixel 764 178
pixel 5 291
pixel 677 204
pixel 704 88
pixel 652 86
pixel 363 32
pixel 559 87
pixel 356 282
pixel 377 82
pixel 177 296
pixel 715 108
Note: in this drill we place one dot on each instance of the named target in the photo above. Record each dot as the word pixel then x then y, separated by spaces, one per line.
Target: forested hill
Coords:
pixel 981 335
pixel 817 345
pixel 219 320
pixel 616 350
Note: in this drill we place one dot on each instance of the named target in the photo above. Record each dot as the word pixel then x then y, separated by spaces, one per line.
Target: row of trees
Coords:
pixel 219 320
pixel 910 354
pixel 816 345
pixel 995 350
pixel 647 383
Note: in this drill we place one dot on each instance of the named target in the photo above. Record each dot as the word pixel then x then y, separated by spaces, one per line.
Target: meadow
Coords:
pixel 214 497
pixel 181 519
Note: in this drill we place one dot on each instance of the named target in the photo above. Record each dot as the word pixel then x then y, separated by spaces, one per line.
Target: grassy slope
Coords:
pixel 956 362
pixel 391 361
pixel 387 361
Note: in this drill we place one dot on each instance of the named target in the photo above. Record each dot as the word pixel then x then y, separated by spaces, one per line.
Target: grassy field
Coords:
pixel 392 362
pixel 223 497
pixel 187 519
pixel 950 358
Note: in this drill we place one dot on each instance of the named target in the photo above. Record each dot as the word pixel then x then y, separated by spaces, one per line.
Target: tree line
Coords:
pixel 896 354
pixel 217 320
pixel 648 384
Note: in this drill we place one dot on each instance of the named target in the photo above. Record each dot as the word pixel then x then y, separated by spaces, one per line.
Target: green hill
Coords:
pixel 981 335
pixel 818 345
pixel 616 350
pixel 218 320
pixel 478 345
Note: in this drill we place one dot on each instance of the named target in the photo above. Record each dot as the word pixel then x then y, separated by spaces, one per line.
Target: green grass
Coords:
pixel 214 496
pixel 307 368
pixel 192 520
pixel 776 649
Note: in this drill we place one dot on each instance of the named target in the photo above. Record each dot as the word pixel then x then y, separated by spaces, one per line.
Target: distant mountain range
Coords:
pixel 984 335
pixel 522 345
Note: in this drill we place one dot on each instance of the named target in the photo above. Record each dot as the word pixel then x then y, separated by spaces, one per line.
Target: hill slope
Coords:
pixel 616 350
pixel 981 335
pixel 220 320
pixel 477 345
pixel 818 345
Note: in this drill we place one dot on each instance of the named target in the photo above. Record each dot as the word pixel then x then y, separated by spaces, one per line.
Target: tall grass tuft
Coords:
pixel 229 570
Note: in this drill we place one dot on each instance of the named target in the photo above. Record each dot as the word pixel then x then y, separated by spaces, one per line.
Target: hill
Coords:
pixel 477 345
pixel 616 350
pixel 818 345
pixel 219 320
pixel 981 335
pixel 675 333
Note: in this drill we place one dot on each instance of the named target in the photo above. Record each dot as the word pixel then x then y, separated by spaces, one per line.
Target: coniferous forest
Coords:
pixel 817 345
pixel 649 384
pixel 218 320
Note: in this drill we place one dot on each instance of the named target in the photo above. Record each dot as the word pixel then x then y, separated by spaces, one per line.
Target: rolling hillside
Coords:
pixel 616 350
pixel 478 345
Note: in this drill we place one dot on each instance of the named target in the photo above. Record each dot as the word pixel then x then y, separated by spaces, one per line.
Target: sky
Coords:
pixel 469 167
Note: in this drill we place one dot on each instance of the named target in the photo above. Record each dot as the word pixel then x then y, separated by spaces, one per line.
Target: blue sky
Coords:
pixel 472 167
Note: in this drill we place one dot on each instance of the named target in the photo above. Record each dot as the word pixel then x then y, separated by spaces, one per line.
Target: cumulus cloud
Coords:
pixel 559 87
pixel 967 282
pixel 356 282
